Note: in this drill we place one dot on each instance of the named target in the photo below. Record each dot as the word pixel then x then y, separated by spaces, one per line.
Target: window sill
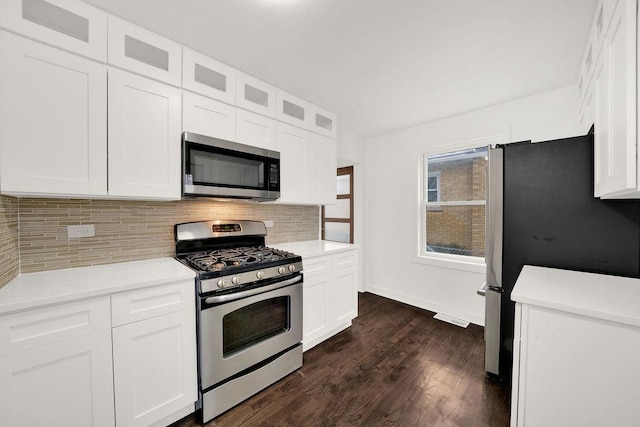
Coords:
pixel 452 264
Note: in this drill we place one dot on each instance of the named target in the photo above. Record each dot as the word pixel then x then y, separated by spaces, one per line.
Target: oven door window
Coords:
pixel 255 323
pixel 214 168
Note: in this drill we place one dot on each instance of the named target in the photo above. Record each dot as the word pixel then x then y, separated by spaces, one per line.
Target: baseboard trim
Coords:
pixel 428 305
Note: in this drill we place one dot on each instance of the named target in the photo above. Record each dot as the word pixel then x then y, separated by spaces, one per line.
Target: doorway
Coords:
pixel 337 220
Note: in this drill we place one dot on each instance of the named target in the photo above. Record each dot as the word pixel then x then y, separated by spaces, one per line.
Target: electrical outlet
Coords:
pixel 268 223
pixel 77 231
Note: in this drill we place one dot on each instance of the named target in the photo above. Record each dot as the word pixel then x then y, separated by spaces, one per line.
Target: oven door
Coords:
pixel 220 168
pixel 240 333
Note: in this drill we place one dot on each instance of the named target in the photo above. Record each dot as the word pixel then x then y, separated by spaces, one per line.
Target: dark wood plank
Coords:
pixel 395 366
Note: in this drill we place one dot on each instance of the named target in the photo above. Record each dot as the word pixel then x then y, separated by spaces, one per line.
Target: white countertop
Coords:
pixel 50 287
pixel 313 248
pixel 601 296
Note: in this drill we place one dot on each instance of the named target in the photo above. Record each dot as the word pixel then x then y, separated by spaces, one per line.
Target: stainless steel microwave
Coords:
pixel 213 167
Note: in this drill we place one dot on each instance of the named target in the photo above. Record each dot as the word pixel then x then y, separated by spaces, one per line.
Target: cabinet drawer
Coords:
pixel 143 52
pixel 345 259
pixel 69 24
pixel 34 328
pixel 316 265
pixel 146 303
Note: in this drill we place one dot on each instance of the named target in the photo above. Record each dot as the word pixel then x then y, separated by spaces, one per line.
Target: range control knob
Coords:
pixel 260 275
pixel 292 268
pixel 235 280
pixel 281 270
pixel 220 283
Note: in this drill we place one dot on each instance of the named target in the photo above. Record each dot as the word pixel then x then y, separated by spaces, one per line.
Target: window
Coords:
pixel 433 187
pixel 453 204
pixel 337 220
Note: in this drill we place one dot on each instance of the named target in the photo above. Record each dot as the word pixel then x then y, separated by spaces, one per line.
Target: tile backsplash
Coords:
pixel 9 260
pixel 126 230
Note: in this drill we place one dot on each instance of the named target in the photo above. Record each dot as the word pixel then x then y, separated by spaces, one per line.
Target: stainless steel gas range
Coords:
pixel 249 310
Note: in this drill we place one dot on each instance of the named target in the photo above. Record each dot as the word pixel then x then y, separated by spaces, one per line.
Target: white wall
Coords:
pixel 392 203
pixel 351 153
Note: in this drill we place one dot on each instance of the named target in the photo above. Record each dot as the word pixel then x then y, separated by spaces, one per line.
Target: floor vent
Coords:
pixel 452 320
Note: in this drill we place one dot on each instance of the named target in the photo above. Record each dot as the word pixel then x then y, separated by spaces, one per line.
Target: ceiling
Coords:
pixel 383 65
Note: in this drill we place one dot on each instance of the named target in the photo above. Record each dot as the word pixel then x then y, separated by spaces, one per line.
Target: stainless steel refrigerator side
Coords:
pixel 493 260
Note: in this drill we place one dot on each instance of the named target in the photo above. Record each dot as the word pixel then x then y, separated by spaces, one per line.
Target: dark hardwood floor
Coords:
pixel 396 366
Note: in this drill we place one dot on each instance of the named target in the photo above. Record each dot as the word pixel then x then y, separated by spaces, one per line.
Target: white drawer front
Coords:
pixel 345 259
pixel 150 302
pixel 34 328
pixel 316 265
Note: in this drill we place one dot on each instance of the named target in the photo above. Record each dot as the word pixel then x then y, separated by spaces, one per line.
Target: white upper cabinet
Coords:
pixel 255 95
pixel 68 24
pixel 307 166
pixel 616 106
pixel 209 117
pixel 291 143
pixel 293 110
pixel 208 77
pixel 256 130
pixel 53 121
pixel 324 122
pixel 321 165
pixel 144 137
pixel 299 112
pixel 136 49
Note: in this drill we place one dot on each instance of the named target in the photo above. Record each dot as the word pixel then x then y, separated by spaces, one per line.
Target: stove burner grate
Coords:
pixel 219 259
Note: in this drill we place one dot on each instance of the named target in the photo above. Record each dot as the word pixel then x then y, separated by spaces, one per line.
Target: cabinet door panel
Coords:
pixel 65 384
pixel 316 320
pixel 144 137
pixel 208 117
pixel 136 49
pixel 256 130
pixel 321 165
pixel 291 143
pixel 69 24
pixel 208 77
pixel 52 121
pixel 344 295
pixel 615 97
pixel 572 350
pixel 154 364
pixel 255 95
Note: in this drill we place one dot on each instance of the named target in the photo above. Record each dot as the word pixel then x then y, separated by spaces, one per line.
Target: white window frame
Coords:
pixel 452 261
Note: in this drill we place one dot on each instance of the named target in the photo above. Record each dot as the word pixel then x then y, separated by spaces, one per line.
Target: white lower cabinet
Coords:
pixel 127 359
pixel 576 349
pixel 330 295
pixel 154 364
pixel 68 383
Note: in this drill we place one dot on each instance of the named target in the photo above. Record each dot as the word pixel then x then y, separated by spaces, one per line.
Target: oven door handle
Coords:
pixel 243 294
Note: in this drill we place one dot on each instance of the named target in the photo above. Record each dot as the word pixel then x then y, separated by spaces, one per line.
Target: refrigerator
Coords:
pixel 541 211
